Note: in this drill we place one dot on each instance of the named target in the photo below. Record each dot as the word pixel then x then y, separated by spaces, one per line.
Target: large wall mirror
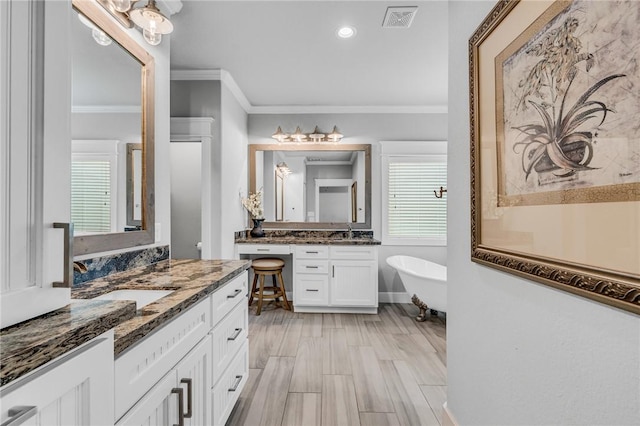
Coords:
pixel 313 186
pixel 112 108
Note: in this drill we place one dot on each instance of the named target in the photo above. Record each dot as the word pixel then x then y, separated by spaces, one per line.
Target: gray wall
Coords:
pixel 366 129
pixel 228 154
pixel 520 352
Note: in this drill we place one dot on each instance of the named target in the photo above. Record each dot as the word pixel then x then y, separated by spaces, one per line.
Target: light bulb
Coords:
pixel 100 37
pixel 121 5
pixel 152 37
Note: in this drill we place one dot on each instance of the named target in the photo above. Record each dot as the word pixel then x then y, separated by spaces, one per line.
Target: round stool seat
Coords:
pixel 268 266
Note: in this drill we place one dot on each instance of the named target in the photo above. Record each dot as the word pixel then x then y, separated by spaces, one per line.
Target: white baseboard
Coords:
pixel 394 297
pixel 447 417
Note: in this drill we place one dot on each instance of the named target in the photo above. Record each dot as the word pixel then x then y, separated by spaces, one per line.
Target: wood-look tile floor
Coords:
pixel 343 369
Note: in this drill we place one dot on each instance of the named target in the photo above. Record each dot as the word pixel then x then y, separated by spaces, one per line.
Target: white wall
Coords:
pixel 234 168
pixel 520 352
pixel 367 129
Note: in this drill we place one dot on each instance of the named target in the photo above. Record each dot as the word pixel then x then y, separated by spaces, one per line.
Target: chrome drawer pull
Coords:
pixel 67 254
pixel 20 414
pixel 311 252
pixel 235 335
pixel 312 289
pixel 263 249
pixel 180 393
pixel 235 384
pixel 235 293
pixel 312 267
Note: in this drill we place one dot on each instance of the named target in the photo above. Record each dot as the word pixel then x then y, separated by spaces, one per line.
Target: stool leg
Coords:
pixel 284 292
pixel 260 294
pixel 275 288
pixel 253 288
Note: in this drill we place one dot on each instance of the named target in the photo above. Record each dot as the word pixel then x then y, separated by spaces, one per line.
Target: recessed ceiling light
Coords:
pixel 346 32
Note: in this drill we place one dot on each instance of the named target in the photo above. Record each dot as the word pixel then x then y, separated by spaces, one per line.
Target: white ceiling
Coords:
pixel 286 53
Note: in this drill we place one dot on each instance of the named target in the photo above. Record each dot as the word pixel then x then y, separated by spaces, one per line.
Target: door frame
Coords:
pixel 200 129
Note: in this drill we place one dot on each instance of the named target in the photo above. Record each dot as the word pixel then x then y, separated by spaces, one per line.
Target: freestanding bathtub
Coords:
pixel 426 281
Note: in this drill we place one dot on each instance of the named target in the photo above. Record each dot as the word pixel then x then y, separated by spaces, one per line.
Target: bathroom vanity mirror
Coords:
pixel 113 99
pixel 313 186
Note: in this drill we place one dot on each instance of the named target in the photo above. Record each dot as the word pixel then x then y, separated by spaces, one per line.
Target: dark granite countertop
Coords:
pixel 31 344
pixel 191 280
pixel 309 237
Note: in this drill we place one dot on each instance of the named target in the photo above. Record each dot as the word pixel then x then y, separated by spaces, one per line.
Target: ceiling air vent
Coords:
pixel 399 17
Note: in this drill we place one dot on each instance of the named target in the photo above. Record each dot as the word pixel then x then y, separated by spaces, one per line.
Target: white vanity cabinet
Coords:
pixel 335 278
pixel 230 347
pixel 173 376
pixel 75 389
pixel 181 396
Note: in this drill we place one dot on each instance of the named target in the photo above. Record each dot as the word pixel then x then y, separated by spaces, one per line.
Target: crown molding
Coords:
pixel 106 109
pixel 226 78
pixel 337 109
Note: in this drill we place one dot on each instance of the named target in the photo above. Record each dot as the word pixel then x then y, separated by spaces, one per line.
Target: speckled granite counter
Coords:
pixel 31 344
pixel 192 280
pixel 309 237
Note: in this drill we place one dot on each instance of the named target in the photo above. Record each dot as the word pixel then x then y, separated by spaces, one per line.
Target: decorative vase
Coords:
pixel 257 230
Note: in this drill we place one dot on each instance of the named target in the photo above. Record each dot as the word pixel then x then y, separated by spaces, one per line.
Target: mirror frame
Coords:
pixel 87 244
pixel 131 168
pixel 253 148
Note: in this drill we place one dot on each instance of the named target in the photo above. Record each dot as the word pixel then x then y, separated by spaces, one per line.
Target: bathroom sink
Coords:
pixel 141 297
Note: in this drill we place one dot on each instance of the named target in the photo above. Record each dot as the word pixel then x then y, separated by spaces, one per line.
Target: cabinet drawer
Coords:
pixel 227 391
pixel 225 298
pixel 354 252
pixel 312 266
pixel 311 290
pixel 264 249
pixel 139 368
pixel 228 337
pixel 312 252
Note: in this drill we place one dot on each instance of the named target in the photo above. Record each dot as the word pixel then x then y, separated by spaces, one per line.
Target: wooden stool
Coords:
pixel 261 268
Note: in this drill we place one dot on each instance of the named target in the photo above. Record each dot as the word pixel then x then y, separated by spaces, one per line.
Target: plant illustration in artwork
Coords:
pixel 562 142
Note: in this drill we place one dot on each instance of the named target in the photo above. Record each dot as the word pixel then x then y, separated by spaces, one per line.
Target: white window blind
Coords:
pixel 414 214
pixel 91 196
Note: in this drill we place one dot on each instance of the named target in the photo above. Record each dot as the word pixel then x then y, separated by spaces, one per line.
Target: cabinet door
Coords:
pixel 194 378
pixel 35 155
pixel 354 283
pixel 158 407
pixel 76 389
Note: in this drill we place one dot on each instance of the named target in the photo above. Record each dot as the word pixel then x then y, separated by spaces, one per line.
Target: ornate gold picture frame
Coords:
pixel 555 148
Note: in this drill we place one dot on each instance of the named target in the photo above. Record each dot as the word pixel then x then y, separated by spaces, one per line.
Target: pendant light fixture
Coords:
pixel 153 23
pixel 148 18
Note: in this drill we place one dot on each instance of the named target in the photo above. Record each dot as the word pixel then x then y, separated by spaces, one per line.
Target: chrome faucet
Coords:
pixel 349 231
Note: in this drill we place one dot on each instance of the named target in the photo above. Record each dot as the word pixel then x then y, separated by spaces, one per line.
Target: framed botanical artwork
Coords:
pixel 555 145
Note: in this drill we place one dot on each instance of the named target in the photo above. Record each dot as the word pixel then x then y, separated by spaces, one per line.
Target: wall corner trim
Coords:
pixel 448 418
pixel 218 75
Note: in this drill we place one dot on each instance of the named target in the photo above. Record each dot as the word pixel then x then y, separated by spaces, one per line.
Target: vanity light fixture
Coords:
pixel 298 136
pixel 283 169
pixel 98 35
pixel 335 135
pixel 148 18
pixel 279 135
pixel 314 137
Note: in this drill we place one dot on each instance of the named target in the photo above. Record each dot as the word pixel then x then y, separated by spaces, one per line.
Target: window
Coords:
pixel 94 180
pixel 91 196
pixel 412 214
